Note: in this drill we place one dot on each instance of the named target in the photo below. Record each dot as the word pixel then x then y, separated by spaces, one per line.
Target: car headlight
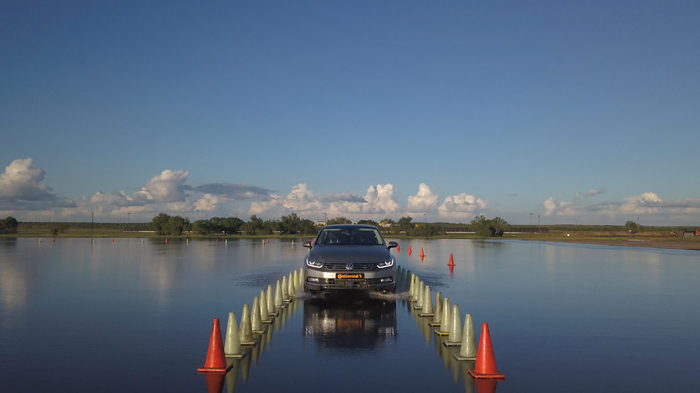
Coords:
pixel 314 263
pixel 384 264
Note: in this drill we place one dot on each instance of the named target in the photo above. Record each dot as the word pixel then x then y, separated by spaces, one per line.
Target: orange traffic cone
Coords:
pixel 215 382
pixel 422 254
pixel 166 240
pixel 268 240
pixel 217 239
pixel 312 241
pixel 216 360
pixel 112 240
pixel 485 367
pixel 409 249
pixel 452 270
pixel 398 248
pixel 452 261
pixel 53 240
pixel 486 385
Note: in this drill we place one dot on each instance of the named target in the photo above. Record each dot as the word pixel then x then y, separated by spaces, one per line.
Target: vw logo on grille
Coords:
pixel 349 266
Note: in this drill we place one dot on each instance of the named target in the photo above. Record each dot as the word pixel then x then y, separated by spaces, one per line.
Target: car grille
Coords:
pixel 356 266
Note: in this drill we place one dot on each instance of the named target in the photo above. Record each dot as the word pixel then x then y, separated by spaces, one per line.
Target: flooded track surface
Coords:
pixel 130 316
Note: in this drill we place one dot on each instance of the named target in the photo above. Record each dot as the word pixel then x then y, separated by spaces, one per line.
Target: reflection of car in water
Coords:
pixel 345 321
pixel 350 257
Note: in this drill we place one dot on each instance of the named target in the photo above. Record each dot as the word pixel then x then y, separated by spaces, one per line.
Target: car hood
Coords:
pixel 349 253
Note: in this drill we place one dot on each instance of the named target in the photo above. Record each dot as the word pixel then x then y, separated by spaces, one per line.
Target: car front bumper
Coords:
pixel 380 279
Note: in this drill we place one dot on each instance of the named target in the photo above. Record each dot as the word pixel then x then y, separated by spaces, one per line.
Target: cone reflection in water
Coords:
pixel 486 385
pixel 302 279
pixel 264 315
pixel 256 317
pixel 454 366
pixel 255 354
pixel 215 382
pixel 245 367
pixel 278 297
pixel 270 297
pixel 285 290
pixel 455 336
pixel 232 376
pixel 232 348
pixel 427 303
pixel 407 277
pixel 437 314
pixel 485 366
pixel 426 329
pixel 246 329
pixel 445 324
pixel 467 350
pixel 468 379
pixel 215 361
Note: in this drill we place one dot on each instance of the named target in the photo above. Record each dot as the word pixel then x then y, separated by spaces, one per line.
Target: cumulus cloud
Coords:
pixel 120 199
pixel 169 186
pixel 646 203
pixel 233 191
pixel 378 200
pixel 344 197
pixel 22 181
pixel 461 206
pixel 209 202
pixel 424 201
pixel 550 205
pixel 299 200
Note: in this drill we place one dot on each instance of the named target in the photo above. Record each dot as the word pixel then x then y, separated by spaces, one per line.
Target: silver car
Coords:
pixel 350 257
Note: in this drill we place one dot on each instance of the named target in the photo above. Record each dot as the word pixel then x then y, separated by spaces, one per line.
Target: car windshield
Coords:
pixel 350 236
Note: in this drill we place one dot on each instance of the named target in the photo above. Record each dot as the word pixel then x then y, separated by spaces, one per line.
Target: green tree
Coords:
pixel 159 223
pixel 631 226
pixel 488 228
pixel 368 222
pixel 338 220
pixel 8 225
pixel 405 222
pixel 290 224
pixel 176 225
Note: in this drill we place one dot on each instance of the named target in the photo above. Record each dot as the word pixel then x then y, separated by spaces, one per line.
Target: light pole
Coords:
pixel 92 218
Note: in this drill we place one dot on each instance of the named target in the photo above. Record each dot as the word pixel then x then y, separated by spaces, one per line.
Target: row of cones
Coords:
pixel 265 309
pixel 446 322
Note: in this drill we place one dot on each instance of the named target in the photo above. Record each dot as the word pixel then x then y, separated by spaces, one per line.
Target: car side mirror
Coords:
pixel 307 245
pixel 392 245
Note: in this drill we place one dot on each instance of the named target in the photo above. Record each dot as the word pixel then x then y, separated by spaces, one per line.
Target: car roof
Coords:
pixel 349 226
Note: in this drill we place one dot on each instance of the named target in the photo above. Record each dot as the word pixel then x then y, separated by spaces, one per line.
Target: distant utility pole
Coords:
pixel 129 219
pixel 637 223
pixel 325 218
pixel 538 223
pixel 92 218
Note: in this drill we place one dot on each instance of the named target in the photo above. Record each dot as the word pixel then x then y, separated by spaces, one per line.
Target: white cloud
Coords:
pixel 379 200
pixel 299 200
pixel 646 203
pixel 550 205
pixel 461 206
pixel 208 202
pixel 169 186
pixel 424 201
pixel 23 181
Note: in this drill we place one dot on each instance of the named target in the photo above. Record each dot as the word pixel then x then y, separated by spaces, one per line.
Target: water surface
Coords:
pixel 132 316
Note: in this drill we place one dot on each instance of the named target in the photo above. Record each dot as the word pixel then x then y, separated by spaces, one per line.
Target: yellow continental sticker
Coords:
pixel 345 276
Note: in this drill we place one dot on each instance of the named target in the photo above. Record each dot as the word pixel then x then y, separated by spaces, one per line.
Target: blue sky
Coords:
pixel 581 112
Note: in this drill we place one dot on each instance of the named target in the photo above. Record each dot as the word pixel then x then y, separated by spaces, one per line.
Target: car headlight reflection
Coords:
pixel 315 264
pixel 385 264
